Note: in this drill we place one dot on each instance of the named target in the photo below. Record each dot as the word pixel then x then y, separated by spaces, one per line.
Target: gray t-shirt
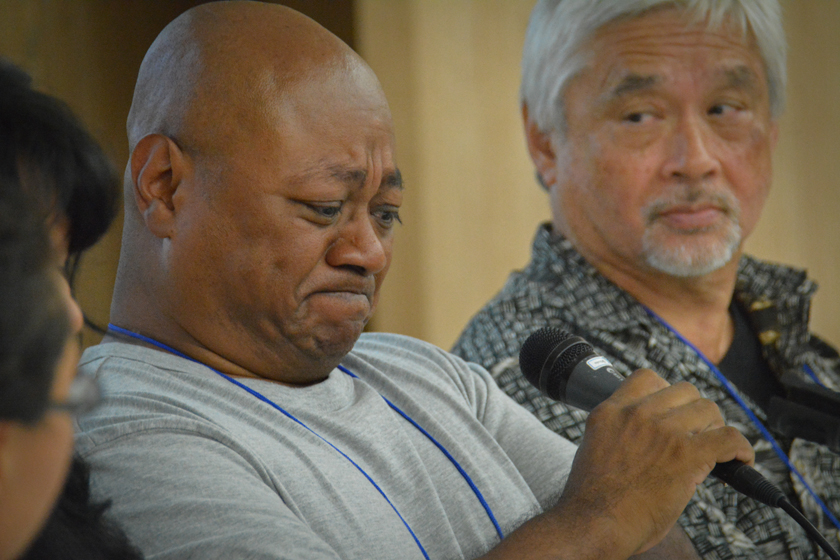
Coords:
pixel 198 467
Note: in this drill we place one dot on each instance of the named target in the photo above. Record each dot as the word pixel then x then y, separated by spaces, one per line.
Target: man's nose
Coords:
pixel 359 245
pixel 691 151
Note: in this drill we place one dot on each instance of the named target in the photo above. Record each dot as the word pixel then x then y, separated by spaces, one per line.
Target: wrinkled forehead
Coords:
pixel 333 92
pixel 671 36
pixel 330 122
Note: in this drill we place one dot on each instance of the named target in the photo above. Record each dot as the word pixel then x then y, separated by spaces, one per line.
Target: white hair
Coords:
pixel 558 29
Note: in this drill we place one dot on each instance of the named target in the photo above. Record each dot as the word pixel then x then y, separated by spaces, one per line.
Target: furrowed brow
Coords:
pixel 357 178
pixel 740 77
pixel 632 83
pixel 352 177
pixel 393 180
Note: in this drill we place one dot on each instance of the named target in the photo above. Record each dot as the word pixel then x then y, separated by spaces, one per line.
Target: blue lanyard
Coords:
pixel 271 403
pixel 812 375
pixel 764 431
pixel 448 455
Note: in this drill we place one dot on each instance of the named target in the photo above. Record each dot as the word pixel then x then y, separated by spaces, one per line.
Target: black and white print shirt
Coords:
pixel 560 289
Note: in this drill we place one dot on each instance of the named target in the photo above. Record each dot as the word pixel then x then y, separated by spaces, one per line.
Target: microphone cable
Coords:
pixel 809 528
pixel 753 418
pixel 550 356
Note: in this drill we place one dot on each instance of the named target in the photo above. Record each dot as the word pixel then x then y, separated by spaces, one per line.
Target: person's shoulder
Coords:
pixel 395 356
pixel 119 355
pixel 557 288
pixel 124 367
pixel 392 346
pixel 405 370
pixel 771 278
pixel 79 528
pixel 147 391
pixel 488 333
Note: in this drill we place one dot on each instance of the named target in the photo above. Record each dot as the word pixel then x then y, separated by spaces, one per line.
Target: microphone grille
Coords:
pixel 570 358
pixel 536 350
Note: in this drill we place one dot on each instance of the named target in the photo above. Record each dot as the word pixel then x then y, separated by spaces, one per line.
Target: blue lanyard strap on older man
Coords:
pixel 751 415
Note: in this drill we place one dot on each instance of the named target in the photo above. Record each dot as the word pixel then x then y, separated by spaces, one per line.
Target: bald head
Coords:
pixel 211 68
pixel 261 193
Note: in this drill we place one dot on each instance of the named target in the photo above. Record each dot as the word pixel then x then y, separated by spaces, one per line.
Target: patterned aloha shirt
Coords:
pixel 559 288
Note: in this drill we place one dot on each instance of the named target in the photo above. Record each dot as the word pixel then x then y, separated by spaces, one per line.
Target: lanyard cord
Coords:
pixel 764 431
pixel 266 400
pixel 812 375
pixel 448 455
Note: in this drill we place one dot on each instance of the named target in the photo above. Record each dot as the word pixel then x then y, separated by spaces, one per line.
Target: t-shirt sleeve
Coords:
pixel 542 457
pixel 181 494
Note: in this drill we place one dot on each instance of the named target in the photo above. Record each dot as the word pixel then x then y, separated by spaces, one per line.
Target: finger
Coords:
pixel 639 384
pixel 650 399
pixel 671 396
pixel 724 444
pixel 693 416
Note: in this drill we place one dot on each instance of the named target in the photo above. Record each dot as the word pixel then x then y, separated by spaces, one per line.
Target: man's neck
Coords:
pixel 169 336
pixel 697 308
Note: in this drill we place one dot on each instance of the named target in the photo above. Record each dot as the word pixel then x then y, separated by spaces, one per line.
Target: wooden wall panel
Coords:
pixel 472 205
pixel 87 53
pixel 451 71
pixel 801 222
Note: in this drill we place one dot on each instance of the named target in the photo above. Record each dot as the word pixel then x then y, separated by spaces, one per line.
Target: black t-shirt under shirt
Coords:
pixel 745 366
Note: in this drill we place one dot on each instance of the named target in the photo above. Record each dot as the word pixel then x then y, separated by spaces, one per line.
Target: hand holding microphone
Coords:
pixel 566 368
pixel 647 444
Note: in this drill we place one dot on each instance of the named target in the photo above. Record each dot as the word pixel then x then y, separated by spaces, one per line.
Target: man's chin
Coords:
pixel 688 264
pixel 691 255
pixel 336 341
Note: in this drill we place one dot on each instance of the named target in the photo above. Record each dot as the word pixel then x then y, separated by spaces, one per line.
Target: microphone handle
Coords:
pixel 747 481
pixel 593 380
pixel 573 373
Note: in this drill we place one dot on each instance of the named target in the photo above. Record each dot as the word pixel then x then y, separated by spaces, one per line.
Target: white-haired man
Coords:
pixel 652 125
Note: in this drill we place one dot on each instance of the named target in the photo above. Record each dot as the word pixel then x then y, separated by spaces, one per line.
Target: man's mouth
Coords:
pixel 691 218
pixel 348 291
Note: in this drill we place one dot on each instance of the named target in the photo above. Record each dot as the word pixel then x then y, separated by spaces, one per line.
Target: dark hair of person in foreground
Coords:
pixel 47 152
pixel 78 528
pixel 48 157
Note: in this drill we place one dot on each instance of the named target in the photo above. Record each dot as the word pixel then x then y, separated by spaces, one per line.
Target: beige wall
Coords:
pixel 801 222
pixel 87 53
pixel 450 70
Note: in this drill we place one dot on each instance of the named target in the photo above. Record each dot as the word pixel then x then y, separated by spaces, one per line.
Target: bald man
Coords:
pixel 246 415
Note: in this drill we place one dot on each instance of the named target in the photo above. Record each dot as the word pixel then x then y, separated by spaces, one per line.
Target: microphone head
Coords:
pixel 536 349
pixel 548 357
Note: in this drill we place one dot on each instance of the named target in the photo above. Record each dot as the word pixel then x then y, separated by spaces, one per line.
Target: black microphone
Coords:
pixel 566 368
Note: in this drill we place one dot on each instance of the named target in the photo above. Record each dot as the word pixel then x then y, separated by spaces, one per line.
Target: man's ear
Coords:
pixel 541 148
pixel 157 168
